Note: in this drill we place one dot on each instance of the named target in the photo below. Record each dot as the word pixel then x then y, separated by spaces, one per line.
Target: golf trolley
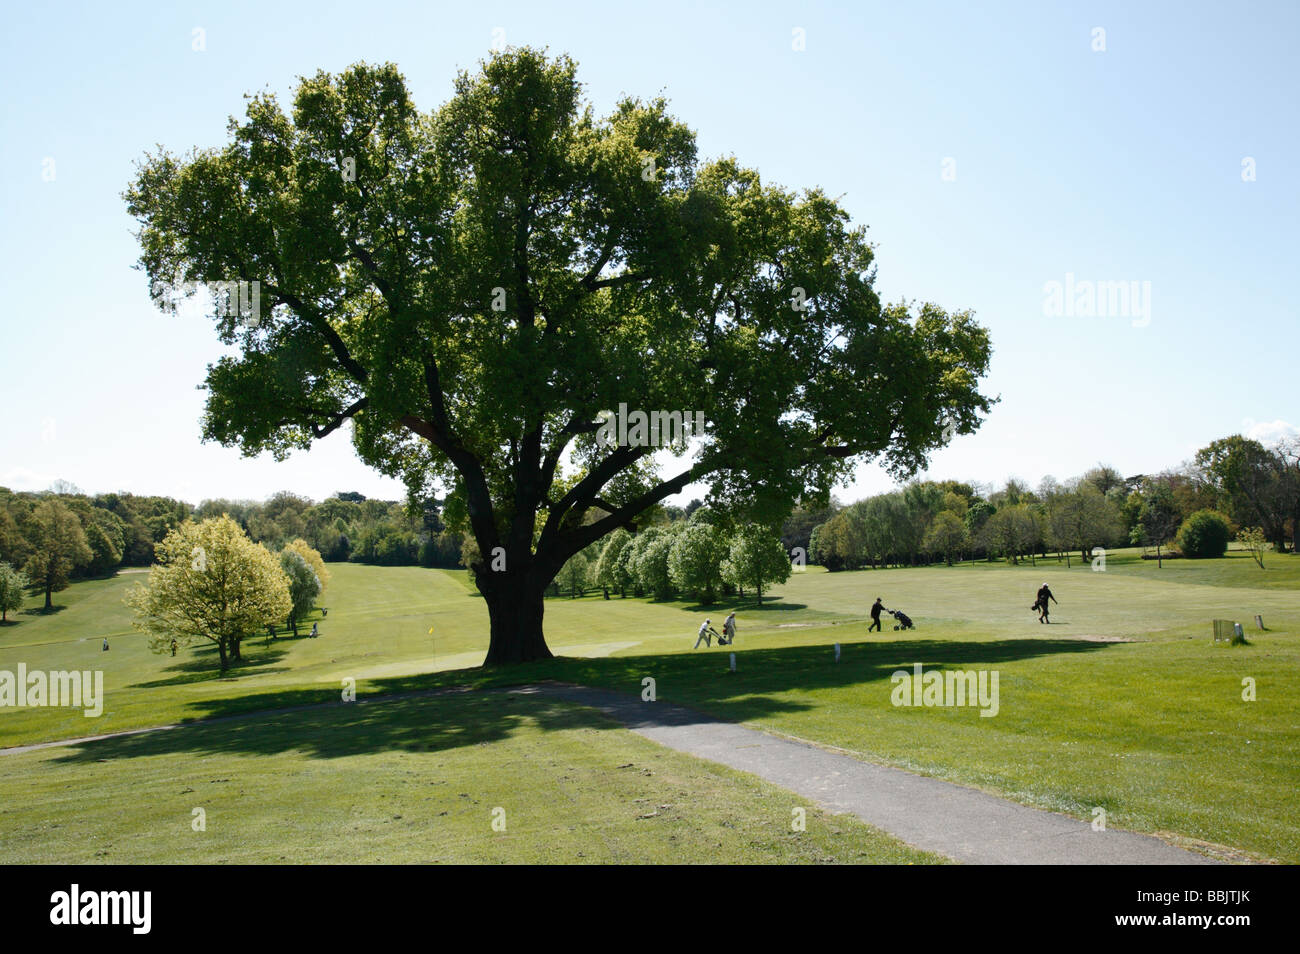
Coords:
pixel 903 620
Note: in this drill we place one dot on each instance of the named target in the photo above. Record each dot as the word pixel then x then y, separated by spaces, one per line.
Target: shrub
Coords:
pixel 1204 534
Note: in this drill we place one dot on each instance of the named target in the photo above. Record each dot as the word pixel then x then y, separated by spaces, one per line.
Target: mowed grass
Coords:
pixel 463 778
pixel 1155 731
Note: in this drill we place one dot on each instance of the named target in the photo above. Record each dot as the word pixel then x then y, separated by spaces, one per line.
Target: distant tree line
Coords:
pixel 676 552
pixel 50 538
pixel 1233 485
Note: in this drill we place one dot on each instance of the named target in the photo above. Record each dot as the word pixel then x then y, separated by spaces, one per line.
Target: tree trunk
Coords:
pixel 515 609
pixel 49 594
pixel 221 649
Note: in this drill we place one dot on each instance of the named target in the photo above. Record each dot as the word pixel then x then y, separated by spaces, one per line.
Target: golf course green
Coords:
pixel 1123 703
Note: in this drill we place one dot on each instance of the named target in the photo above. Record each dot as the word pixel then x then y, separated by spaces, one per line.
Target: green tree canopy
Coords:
pixel 695 560
pixel 1157 518
pixel 611 569
pixel 756 559
pixel 304 585
pixel 946 535
pixel 56 546
pixel 211 582
pixel 473 285
pixel 1205 534
pixel 12 584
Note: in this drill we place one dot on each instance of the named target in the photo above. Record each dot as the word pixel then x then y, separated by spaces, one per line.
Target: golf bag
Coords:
pixel 904 621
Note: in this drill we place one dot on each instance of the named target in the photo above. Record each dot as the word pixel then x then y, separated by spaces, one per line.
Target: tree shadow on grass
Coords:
pixel 416 723
pixel 42 611
pixel 770 604
pixel 201 664
pixel 703 680
pixel 449 712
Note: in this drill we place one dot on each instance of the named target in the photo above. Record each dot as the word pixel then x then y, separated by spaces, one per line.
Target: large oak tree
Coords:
pixel 472 286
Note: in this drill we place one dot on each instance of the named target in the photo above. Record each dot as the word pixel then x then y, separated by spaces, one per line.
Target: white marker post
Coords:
pixel 837 652
pixel 733 662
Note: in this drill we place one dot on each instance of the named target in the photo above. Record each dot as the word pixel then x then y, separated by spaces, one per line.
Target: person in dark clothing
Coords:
pixel 1044 594
pixel 876 607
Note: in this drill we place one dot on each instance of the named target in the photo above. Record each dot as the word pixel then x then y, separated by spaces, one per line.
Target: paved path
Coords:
pixel 961 823
pixel 928 813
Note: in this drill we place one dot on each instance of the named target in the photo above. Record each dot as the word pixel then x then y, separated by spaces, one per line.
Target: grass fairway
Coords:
pixel 418 780
pixel 1153 729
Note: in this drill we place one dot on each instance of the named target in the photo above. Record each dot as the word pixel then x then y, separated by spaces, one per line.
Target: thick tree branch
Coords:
pixel 321 325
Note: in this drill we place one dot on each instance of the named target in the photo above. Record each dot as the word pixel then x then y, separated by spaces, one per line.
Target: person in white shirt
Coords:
pixel 707 632
pixel 729 629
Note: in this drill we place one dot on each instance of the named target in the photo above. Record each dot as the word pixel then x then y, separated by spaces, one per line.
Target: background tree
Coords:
pixel 211 582
pixel 1253 542
pixel 499 271
pixel 695 560
pixel 946 536
pixel 1082 518
pixel 313 558
pixel 1205 534
pixel 652 550
pixel 806 516
pixel 57 546
pixel 1158 518
pixel 12 585
pixel 1254 484
pixel 976 517
pixel 1104 478
pixel 575 574
pixel 756 559
pixel 13 545
pixel 470 558
pixel 611 570
pixel 627 567
pixel 304 586
pixel 105 548
pixel 1001 534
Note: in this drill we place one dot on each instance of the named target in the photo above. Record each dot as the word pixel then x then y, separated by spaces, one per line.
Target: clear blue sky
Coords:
pixel 1122 165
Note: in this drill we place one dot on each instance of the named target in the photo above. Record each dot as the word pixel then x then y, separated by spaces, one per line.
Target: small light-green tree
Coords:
pixel 211 582
pixel 1254 542
pixel 611 570
pixel 12 584
pixel 304 585
pixel 575 574
pixel 650 562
